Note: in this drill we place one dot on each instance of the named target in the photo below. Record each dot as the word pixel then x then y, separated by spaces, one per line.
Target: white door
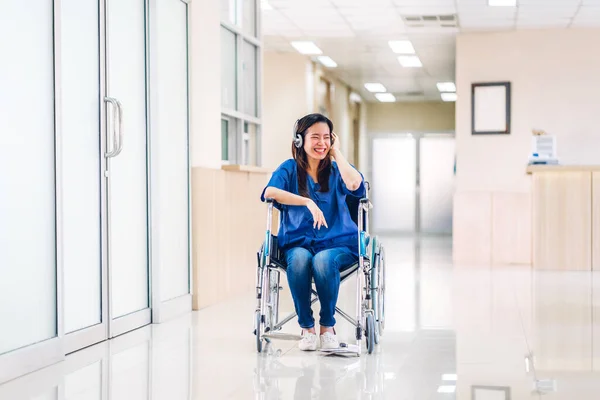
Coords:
pixel 169 159
pixel 29 260
pixel 83 185
pixel 394 183
pixel 104 169
pixel 127 165
pixel 108 159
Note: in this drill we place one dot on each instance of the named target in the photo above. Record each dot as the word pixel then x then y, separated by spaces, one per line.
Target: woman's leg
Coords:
pixel 326 267
pixel 299 277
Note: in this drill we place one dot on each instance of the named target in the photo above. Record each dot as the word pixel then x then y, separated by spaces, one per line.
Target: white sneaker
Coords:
pixel 329 341
pixel 308 342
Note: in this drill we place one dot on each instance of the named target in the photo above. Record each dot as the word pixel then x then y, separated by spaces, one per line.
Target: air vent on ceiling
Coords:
pixel 431 21
pixel 417 93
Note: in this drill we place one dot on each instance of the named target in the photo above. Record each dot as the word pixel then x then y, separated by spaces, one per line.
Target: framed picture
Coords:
pixel 490 393
pixel 490 108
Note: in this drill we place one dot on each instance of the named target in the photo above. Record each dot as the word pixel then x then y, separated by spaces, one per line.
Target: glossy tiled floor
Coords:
pixel 477 332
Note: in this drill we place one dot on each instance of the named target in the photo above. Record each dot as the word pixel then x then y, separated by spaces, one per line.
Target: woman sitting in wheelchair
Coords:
pixel 317 233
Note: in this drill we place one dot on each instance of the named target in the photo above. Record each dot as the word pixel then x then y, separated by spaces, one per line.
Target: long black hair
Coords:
pixel 324 170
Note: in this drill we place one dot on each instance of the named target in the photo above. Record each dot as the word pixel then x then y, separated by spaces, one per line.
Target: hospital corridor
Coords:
pixel 299 199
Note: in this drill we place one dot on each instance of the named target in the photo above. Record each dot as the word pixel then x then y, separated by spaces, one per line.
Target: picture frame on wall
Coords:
pixel 490 108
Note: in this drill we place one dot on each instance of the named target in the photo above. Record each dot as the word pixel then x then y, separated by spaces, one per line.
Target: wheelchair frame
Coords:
pixel 370 285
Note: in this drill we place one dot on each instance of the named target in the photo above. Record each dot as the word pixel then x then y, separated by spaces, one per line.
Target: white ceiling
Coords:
pixel 355 34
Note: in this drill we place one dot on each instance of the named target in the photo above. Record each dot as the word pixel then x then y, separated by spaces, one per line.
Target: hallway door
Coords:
pixel 413 183
pixel 104 182
pixel 127 166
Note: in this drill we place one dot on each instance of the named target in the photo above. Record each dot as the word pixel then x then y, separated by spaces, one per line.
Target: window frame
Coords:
pixel 239 139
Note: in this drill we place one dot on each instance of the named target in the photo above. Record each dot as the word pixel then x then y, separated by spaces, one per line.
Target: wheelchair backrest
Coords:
pixel 353 203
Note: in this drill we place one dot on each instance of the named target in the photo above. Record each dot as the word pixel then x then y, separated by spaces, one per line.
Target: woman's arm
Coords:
pixel 350 176
pixel 290 199
pixel 286 198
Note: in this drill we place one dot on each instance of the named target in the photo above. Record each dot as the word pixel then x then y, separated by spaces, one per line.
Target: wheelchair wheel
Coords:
pixel 258 330
pixel 381 292
pixel 370 333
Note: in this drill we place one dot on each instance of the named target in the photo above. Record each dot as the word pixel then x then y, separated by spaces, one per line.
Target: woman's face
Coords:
pixel 317 141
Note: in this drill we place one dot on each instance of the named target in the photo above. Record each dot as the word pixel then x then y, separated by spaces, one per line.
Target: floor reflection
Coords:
pixel 452 332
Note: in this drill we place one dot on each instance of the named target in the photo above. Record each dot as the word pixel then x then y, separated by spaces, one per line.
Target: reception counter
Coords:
pixel 566 217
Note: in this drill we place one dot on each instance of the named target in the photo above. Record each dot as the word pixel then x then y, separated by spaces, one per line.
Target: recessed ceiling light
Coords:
pixel 306 47
pixel 448 96
pixel 375 87
pixel 502 3
pixel 385 97
pixel 402 46
pixel 449 377
pixel 327 61
pixel 264 4
pixel 447 389
pixel 446 87
pixel 410 61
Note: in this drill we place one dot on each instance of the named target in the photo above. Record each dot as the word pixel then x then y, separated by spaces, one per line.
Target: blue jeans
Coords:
pixel 324 267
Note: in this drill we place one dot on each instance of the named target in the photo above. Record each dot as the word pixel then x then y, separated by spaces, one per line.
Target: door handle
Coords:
pixel 120 136
pixel 113 149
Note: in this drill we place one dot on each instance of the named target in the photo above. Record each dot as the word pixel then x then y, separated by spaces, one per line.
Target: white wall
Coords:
pixel 287 96
pixel 554 77
pixel 555 80
pixel 427 116
pixel 205 83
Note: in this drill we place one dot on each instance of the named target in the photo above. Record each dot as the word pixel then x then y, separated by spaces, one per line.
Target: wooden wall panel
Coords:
pixel 511 228
pixel 472 241
pixel 562 220
pixel 228 227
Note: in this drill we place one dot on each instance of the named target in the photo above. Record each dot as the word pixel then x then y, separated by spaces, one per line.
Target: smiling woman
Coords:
pixel 317 233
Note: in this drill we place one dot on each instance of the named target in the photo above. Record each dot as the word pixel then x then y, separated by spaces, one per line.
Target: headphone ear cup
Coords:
pixel 298 141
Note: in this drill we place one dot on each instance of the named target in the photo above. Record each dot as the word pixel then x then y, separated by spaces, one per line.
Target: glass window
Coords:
pixel 228 139
pixel 249 17
pixel 228 11
pixel 224 139
pixel 228 69
pixel 251 144
pixel 249 78
pixel 240 89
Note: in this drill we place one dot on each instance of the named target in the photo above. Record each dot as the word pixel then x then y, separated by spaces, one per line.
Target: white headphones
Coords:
pixel 298 142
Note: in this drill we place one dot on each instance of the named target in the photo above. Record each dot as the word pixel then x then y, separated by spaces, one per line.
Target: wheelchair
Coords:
pixel 369 271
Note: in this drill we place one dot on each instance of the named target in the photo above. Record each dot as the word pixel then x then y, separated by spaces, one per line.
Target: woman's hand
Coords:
pixel 335 149
pixel 336 141
pixel 317 214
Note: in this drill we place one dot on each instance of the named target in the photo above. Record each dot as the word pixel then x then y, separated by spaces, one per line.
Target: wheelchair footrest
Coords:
pixel 282 336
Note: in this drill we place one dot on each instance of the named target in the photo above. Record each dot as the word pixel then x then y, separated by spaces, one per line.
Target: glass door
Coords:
pixel 83 185
pixel 413 183
pixel 127 165
pixel 30 326
pixel 104 169
pixel 394 183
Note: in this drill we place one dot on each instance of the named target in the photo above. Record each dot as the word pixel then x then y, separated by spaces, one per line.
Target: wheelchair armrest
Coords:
pixel 269 200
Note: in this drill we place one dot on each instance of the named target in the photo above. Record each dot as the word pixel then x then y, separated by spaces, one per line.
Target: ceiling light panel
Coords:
pixel 447 389
pixel 448 96
pixel 375 87
pixel 502 3
pixel 402 46
pixel 306 47
pixel 446 87
pixel 410 61
pixel 385 97
pixel 327 61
